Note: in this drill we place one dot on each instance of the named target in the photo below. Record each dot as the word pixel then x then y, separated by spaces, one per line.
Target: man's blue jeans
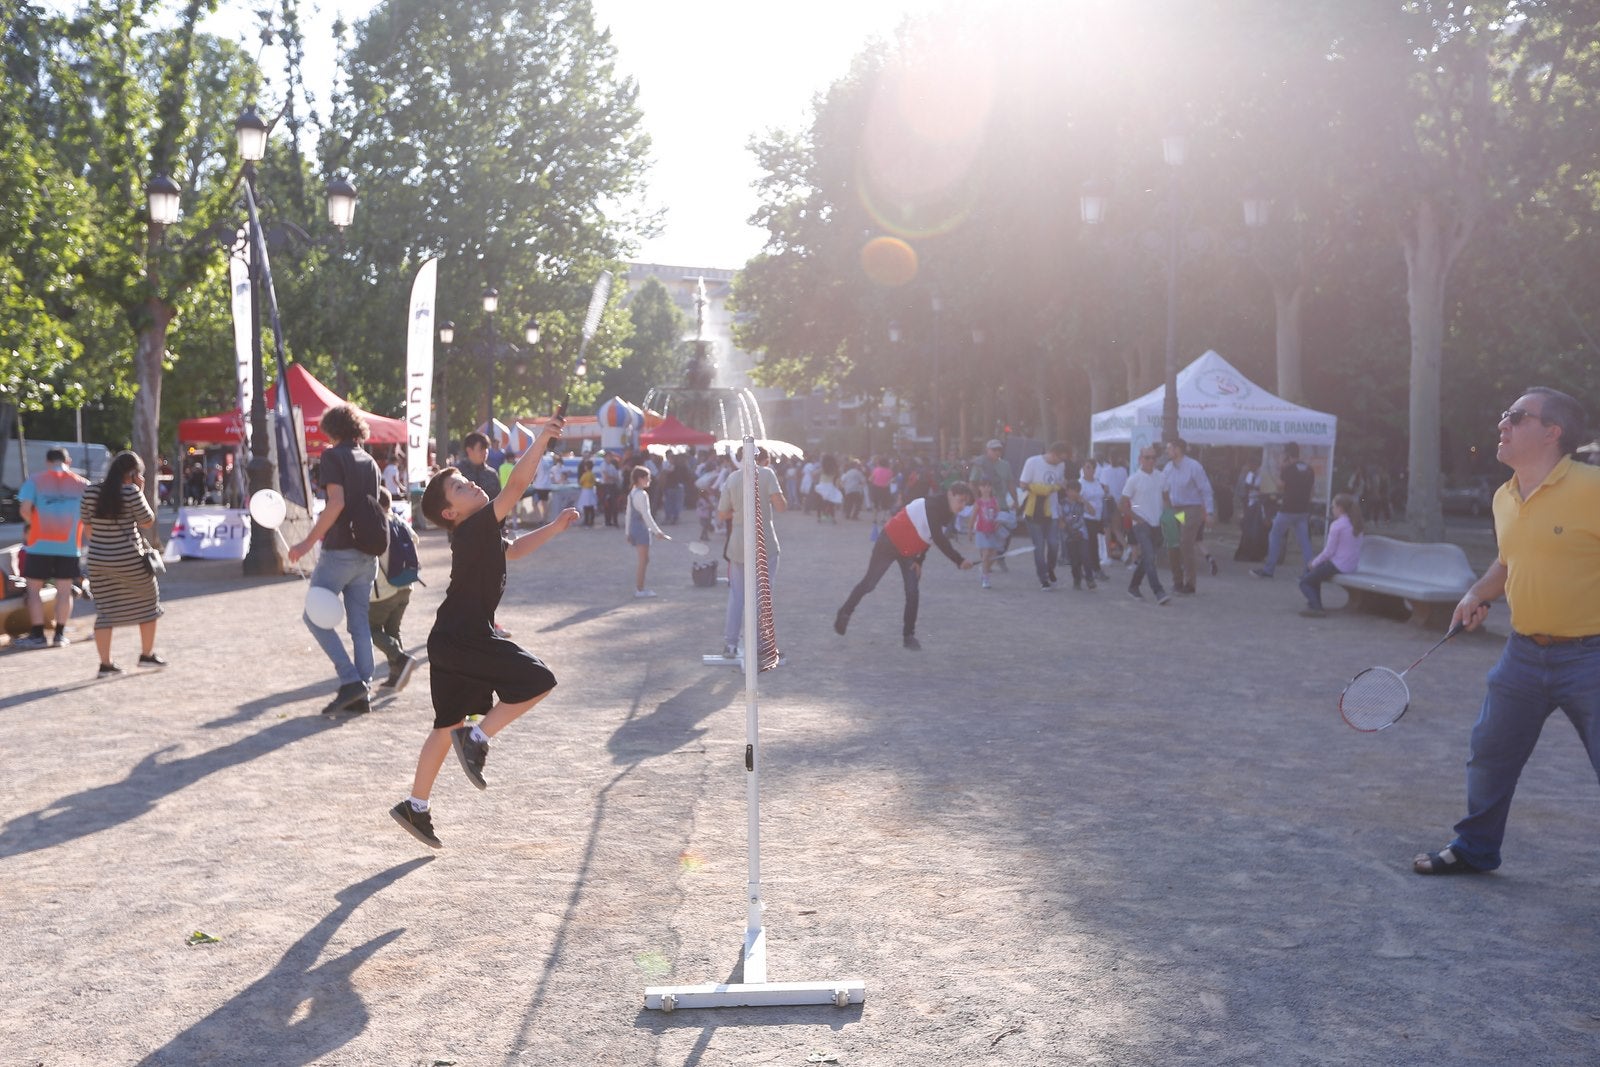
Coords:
pixel 1525 687
pixel 350 573
pixel 1046 546
pixel 1145 534
pixel 733 623
pixel 1281 523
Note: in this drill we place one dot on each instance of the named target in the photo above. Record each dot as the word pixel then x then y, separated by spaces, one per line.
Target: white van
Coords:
pixel 88 460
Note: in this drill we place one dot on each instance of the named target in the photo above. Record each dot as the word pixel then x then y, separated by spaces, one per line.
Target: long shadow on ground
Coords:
pixel 261 1017
pixel 105 806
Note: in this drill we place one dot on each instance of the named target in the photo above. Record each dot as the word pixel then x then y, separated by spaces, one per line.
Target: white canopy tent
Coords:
pixel 1219 406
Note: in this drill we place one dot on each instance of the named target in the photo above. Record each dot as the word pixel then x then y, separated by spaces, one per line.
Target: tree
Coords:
pixel 1475 103
pixel 654 356
pixel 500 137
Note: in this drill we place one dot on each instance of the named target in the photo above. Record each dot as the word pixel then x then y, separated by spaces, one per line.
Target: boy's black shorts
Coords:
pixel 466 673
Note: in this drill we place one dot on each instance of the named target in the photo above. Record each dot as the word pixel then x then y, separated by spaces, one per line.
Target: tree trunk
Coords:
pixel 149 351
pixel 1287 294
pixel 1428 261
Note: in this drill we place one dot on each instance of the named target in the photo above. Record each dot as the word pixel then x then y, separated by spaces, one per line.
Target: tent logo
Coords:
pixel 1222 385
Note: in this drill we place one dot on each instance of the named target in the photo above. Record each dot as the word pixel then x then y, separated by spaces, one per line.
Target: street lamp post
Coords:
pixel 252 134
pixel 441 403
pixel 491 304
pixel 530 334
pixel 1173 150
pixel 1092 208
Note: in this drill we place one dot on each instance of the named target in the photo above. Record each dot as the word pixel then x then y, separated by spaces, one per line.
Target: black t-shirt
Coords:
pixel 1297 479
pixel 350 467
pixel 477 575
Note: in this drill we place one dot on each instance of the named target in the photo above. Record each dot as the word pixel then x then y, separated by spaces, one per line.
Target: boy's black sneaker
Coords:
pixel 471 754
pixel 153 661
pixel 840 622
pixel 109 670
pixel 1133 591
pixel 400 675
pixel 911 642
pixel 352 697
pixel 419 824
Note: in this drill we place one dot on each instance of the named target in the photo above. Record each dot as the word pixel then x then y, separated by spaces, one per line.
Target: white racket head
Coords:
pixel 1374 700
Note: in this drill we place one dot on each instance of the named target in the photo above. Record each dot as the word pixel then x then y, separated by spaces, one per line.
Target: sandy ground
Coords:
pixel 1075 829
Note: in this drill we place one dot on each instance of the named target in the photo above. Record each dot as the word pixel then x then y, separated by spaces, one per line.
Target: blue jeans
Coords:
pixel 1281 523
pixel 1046 546
pixel 672 504
pixel 350 573
pixel 733 623
pixel 1311 583
pixel 1145 534
pixel 1525 687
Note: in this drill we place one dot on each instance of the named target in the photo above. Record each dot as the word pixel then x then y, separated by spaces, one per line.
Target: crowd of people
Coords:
pixel 1086 514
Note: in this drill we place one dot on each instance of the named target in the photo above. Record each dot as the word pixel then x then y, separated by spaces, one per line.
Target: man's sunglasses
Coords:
pixel 1515 416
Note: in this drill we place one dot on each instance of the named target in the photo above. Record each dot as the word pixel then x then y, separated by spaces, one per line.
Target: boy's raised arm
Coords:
pixel 527 466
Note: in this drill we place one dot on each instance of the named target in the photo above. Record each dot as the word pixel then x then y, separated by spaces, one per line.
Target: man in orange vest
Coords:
pixel 905 540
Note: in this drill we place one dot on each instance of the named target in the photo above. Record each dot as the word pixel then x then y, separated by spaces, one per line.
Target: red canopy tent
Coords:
pixel 305 393
pixel 669 431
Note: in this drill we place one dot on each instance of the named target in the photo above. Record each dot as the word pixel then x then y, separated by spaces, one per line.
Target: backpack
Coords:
pixel 400 565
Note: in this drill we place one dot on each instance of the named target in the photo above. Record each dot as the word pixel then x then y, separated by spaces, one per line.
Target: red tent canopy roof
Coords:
pixel 669 431
pixel 305 393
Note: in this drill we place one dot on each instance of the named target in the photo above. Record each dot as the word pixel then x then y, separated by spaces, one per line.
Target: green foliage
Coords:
pixel 500 137
pixel 654 356
pixel 969 137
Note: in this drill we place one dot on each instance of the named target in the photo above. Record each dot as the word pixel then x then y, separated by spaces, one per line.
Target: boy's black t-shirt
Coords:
pixel 477 576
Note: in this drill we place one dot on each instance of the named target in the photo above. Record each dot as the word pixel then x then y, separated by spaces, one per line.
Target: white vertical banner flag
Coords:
pixel 419 370
pixel 239 282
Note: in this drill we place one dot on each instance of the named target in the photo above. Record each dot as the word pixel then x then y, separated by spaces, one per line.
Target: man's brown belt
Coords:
pixel 1546 640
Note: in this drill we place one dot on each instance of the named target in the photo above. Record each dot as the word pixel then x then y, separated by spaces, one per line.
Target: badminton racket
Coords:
pixel 591 321
pixel 1376 698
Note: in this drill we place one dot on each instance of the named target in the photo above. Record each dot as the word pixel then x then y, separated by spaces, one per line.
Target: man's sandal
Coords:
pixel 1445 861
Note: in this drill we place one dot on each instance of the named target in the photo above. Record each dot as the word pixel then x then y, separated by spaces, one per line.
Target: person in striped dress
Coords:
pixel 120 577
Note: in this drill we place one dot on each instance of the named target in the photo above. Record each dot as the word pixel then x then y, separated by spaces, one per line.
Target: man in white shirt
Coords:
pixel 1142 501
pixel 1189 495
pixel 1041 476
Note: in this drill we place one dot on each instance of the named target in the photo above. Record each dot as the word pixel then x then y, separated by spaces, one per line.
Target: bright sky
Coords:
pixel 711 75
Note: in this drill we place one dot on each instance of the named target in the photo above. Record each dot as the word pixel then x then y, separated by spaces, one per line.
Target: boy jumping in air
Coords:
pixel 468 664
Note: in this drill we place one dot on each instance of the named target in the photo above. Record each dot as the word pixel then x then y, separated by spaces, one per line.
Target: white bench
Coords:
pixel 1429 578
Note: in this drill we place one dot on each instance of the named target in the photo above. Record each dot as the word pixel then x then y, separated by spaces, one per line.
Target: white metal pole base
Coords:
pixel 754 995
pixel 756 992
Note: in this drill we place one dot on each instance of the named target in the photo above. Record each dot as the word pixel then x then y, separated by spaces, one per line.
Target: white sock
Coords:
pixel 418 805
pixel 478 735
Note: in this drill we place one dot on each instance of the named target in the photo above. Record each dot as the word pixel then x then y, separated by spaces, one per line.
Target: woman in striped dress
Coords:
pixel 120 579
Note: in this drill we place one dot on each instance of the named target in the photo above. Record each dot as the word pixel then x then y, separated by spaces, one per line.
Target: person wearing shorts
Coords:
pixel 49 502
pixel 472 670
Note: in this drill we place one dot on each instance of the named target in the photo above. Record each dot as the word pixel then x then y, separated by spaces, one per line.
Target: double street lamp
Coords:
pixel 164 195
pixel 1257 213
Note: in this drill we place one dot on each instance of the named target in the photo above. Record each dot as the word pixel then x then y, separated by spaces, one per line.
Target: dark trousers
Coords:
pixel 610 498
pixel 384 617
pixel 884 555
pixel 1145 535
pixel 1311 583
pixel 1077 552
pixel 1046 547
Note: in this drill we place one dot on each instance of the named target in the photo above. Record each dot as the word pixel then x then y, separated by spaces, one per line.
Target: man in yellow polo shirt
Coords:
pixel 1547 521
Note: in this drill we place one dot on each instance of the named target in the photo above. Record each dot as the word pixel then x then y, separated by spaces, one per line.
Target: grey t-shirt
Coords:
pixel 733 500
